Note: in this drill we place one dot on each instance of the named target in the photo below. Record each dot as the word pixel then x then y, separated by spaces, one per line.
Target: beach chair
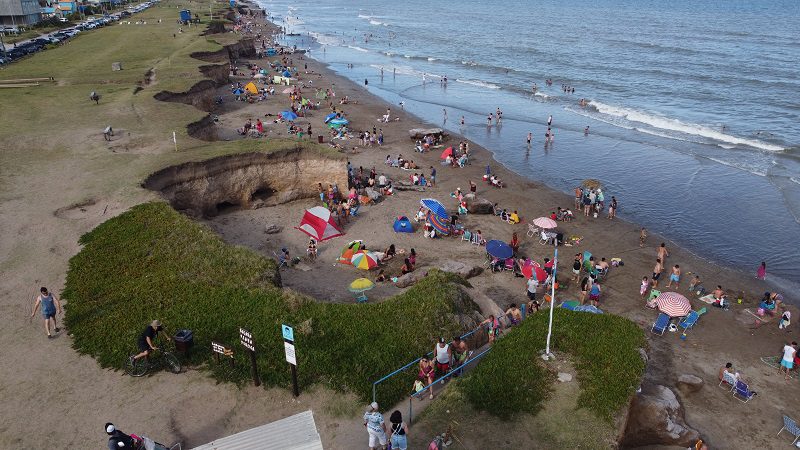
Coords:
pixel 467 236
pixel 544 238
pixel 728 381
pixel 476 240
pixel 508 264
pixel 653 294
pixel 702 311
pixel 791 426
pixel 742 392
pixel 660 325
pixel 361 298
pixel 532 230
pixel 689 321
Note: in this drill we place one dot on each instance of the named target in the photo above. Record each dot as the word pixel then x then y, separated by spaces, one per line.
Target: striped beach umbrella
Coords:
pixel 673 304
pixel 365 260
pixel 545 222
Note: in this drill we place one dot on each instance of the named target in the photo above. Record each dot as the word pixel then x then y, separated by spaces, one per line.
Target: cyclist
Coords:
pixel 147 338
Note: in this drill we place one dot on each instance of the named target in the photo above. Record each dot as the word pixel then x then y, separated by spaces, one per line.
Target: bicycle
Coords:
pixel 142 366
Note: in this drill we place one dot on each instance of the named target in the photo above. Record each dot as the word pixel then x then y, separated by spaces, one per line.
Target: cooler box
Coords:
pixel 184 340
pixel 320 139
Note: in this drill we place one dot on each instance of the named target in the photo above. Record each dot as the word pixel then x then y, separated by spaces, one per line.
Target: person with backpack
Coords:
pixel 399 431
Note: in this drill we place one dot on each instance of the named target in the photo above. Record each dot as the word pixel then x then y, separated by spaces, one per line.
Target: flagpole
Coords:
pixel 547 353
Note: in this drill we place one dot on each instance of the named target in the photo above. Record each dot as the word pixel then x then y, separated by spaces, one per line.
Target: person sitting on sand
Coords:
pixel 513 218
pixel 730 370
pixel 720 298
pixel 462 208
pixel 412 257
pixel 420 216
pixel 389 253
pixel 407 267
pixel 568 215
pixel 381 276
pixel 504 215
pixel 514 314
pixel 477 238
pixel 696 285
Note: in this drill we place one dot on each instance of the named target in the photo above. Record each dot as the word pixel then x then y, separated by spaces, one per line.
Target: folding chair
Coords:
pixel 543 238
pixel 729 380
pixel 689 321
pixel 508 264
pixel 742 392
pixel 660 325
pixel 790 426
pixel 532 230
pixel 467 236
pixel 361 298
pixel 653 294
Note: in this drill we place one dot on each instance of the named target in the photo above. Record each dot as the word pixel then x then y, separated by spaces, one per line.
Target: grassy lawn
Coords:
pixel 152 262
pixel 512 378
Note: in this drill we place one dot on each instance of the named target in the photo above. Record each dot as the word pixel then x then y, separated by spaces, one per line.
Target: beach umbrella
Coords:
pixel 330 117
pixel 545 222
pixel 435 206
pixel 438 223
pixel 288 90
pixel 365 260
pixel 446 152
pixel 499 249
pixel 339 122
pixel 287 74
pixel 238 91
pixel 673 304
pixel 258 75
pixel 351 249
pixel 361 285
pixel 288 115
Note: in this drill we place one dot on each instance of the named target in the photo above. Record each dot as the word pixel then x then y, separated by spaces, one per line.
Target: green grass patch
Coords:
pixel 152 262
pixel 512 379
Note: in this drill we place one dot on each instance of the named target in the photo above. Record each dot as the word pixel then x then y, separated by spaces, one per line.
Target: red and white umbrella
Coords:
pixel 673 304
pixel 545 222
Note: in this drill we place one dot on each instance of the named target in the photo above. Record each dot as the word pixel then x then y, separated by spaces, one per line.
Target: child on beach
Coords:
pixel 695 285
pixel 642 237
pixel 761 273
pixel 643 287
pixel 675 276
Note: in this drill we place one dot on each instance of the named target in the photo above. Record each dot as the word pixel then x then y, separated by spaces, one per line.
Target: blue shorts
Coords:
pixel 399 442
pixel 674 278
pixel 49 315
pixel 787 364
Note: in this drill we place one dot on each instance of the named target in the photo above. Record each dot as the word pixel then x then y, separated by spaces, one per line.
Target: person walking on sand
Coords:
pixel 642 237
pixel 787 363
pixel 675 276
pixel 662 252
pixel 643 287
pixel 376 428
pixel 657 269
pixel 50 307
pixel 761 273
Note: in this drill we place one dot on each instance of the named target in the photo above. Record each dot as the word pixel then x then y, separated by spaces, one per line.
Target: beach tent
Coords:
pixel 403 225
pixel 330 117
pixel 271 52
pixel 251 88
pixel 439 224
pixel 447 152
pixel 288 115
pixel 318 223
pixel 347 253
pixel 287 74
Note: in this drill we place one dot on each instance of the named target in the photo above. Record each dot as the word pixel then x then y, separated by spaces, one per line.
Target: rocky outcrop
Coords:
pixel 204 129
pixel 220 73
pixel 480 206
pixel 461 269
pixel 689 383
pixel 247 180
pixel 656 417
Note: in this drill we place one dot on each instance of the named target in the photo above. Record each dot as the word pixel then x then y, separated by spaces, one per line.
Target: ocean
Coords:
pixel 692 107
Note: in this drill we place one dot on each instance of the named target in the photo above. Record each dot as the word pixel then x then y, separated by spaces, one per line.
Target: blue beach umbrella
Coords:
pixel 435 206
pixel 339 122
pixel 330 117
pixel 499 249
pixel 288 115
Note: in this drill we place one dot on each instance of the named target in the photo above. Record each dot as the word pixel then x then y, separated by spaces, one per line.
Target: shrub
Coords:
pixel 512 379
pixel 152 262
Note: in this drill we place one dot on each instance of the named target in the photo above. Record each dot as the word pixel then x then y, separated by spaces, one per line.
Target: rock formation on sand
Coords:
pixel 656 417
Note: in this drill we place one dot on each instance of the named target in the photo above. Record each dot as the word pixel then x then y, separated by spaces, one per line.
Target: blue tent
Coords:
pixel 338 122
pixel 330 117
pixel 288 115
pixel 287 74
pixel 271 52
pixel 238 91
pixel 403 225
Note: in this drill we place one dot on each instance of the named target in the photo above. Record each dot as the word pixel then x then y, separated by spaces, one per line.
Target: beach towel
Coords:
pixel 708 299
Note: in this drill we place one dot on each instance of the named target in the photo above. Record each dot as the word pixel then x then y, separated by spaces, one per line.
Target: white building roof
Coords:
pixel 297 432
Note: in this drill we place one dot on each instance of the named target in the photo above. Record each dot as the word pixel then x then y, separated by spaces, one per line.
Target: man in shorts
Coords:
pixel 657 269
pixel 533 285
pixel 146 342
pixel 50 306
pixel 376 428
pixel 675 276
pixel 460 353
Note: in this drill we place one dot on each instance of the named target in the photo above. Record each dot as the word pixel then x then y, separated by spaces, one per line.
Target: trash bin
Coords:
pixel 184 340
pixel 320 138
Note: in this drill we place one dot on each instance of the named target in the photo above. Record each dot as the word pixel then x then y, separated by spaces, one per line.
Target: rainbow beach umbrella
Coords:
pixel 365 260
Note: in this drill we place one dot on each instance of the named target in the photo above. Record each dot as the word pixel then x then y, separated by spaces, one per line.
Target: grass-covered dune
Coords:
pixel 154 263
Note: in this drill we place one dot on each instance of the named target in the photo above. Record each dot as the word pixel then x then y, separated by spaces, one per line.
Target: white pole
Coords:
pixel 175 140
pixel 552 302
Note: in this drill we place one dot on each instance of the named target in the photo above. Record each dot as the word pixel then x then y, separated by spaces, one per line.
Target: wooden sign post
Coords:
pixel 220 349
pixel 246 338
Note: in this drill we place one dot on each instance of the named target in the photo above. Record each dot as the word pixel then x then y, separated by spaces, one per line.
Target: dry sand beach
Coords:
pixel 46 180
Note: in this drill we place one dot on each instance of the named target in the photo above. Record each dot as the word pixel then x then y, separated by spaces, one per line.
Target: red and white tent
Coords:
pixel 319 224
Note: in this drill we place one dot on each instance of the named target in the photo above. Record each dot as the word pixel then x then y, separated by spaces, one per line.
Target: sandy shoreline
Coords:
pixel 47 382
